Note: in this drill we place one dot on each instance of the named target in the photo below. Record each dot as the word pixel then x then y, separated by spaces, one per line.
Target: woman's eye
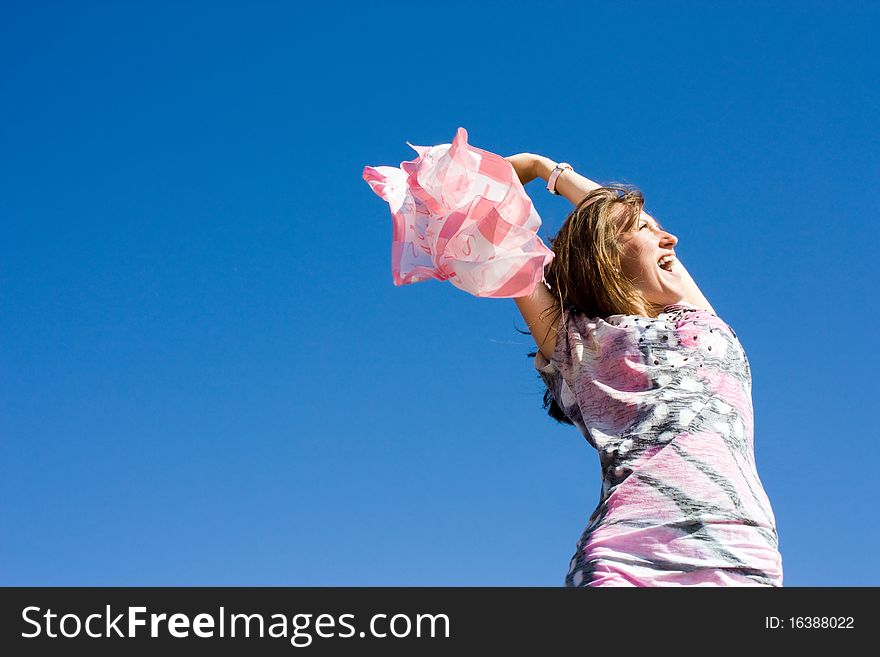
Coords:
pixel 643 226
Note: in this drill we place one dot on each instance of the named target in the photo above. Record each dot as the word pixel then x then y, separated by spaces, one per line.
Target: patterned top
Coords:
pixel 667 403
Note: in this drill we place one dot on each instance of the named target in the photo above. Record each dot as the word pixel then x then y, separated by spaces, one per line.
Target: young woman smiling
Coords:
pixel 630 350
pixel 634 356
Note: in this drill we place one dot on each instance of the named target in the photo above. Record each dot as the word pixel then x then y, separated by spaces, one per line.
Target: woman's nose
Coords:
pixel 669 239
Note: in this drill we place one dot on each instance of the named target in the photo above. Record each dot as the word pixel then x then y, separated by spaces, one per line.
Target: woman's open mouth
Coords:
pixel 667 263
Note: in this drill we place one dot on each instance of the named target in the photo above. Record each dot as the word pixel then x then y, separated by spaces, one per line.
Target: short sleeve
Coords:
pixel 461 214
pixel 560 371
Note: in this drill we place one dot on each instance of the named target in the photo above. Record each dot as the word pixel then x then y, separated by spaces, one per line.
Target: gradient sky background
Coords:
pixel 208 377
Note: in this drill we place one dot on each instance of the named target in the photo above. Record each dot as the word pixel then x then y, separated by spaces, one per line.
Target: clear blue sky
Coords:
pixel 208 377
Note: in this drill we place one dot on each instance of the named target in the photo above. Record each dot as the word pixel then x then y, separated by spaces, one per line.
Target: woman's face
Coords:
pixel 643 250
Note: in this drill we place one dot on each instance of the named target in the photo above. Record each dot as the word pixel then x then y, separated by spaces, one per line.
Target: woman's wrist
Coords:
pixel 544 166
pixel 569 184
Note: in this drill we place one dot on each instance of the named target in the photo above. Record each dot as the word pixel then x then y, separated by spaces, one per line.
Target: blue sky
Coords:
pixel 208 377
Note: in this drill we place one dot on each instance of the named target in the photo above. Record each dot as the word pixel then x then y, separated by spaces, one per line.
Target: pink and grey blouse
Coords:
pixel 667 403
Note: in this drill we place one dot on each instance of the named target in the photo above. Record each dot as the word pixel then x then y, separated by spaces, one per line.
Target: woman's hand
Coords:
pixel 525 165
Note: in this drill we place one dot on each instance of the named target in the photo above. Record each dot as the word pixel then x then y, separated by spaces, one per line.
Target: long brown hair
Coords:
pixel 585 275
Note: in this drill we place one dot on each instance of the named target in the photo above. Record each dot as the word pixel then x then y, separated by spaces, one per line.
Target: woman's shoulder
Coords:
pixel 598 333
pixel 573 315
pixel 611 329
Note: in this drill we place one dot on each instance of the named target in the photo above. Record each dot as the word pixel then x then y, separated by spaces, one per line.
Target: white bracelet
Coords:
pixel 558 169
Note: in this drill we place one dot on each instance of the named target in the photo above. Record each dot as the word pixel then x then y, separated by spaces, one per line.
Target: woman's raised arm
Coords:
pixel 538 310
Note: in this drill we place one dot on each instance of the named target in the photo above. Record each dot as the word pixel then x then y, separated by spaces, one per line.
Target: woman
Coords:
pixel 634 356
